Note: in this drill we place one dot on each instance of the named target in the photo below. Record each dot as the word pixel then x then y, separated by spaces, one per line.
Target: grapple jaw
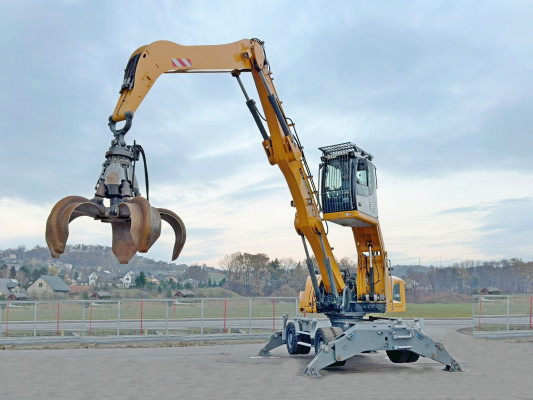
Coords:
pixel 136 225
pixel 135 229
pixel 65 211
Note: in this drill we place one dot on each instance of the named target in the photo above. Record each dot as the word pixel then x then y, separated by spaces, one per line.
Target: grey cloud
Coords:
pixel 461 210
pixel 427 87
pixel 508 230
pixel 507 203
pixel 506 227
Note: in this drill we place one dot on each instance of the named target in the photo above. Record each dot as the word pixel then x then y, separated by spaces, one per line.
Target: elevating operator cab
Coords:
pixel 348 185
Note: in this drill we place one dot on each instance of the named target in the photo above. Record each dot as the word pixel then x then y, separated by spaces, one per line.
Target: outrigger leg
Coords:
pixel 276 340
pixel 403 343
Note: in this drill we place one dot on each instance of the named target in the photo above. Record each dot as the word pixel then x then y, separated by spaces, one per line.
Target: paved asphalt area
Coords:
pixel 495 369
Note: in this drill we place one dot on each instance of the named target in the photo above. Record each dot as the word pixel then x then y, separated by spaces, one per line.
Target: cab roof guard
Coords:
pixel 343 149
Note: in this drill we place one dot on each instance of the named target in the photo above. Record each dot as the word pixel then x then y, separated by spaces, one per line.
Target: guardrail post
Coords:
pixel 91 320
pixel 479 319
pixel 202 319
pixel 0 322
pixel 35 319
pixel 118 319
pixel 225 308
pixel 250 320
pixel 7 320
pixel 273 314
pixel 83 318
pixel 141 317
pixel 57 333
pixel 507 324
pixel 530 310
pixel 166 318
pixel 473 316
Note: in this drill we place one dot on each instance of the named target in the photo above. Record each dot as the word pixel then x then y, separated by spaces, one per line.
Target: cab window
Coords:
pixel 361 176
pixel 371 179
pixel 396 293
pixel 333 178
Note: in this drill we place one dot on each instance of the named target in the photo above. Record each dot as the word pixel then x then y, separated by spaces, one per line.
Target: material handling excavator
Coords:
pixel 347 196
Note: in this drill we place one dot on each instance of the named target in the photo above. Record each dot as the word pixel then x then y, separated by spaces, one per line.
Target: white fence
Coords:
pixel 503 315
pixel 143 316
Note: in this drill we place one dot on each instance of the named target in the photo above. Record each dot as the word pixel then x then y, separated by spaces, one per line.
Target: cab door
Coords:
pixel 360 184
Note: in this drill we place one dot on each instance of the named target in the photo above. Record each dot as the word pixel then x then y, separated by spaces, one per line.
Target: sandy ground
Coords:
pixel 495 369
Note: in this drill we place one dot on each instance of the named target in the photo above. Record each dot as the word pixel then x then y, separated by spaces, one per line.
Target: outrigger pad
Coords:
pixel 136 227
pixel 276 340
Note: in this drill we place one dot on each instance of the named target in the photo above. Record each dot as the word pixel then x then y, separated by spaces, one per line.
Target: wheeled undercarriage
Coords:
pixel 335 341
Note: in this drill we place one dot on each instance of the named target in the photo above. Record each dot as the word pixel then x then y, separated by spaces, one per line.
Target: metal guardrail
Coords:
pixel 502 315
pixel 209 317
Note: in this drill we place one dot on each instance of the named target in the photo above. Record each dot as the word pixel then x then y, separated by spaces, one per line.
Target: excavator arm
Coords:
pixel 147 63
pixel 280 142
pixel 347 198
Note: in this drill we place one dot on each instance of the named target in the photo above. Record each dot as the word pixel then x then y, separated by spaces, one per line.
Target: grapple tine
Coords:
pixel 66 210
pixel 179 230
pixel 55 236
pixel 136 233
pixel 150 226
pixel 124 247
pixel 126 232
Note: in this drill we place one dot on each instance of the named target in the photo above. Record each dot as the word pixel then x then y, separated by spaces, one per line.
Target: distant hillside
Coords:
pixel 217 292
pixel 89 256
pixel 403 270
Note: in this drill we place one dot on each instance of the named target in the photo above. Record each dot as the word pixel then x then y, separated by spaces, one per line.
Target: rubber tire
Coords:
pixel 337 331
pixel 322 336
pixel 402 356
pixel 292 341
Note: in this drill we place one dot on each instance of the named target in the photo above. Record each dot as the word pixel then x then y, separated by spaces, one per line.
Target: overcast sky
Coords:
pixel 440 92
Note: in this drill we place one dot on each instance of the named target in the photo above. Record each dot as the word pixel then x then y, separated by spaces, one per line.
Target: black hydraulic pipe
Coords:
pixel 372 289
pixel 253 108
pixel 312 273
pixel 327 264
pixel 277 110
pixel 275 105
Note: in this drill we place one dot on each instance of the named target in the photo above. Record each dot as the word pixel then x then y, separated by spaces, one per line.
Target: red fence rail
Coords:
pixel 143 316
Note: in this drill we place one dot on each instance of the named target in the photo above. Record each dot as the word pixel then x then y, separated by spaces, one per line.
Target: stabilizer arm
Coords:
pixel 397 338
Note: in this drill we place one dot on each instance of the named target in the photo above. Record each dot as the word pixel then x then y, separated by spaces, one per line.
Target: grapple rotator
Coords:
pixel 136 225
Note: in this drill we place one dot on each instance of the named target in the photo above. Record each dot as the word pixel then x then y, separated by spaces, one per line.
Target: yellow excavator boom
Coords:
pixel 145 66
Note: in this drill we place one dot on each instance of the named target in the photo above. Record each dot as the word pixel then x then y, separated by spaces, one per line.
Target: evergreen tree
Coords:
pixel 140 280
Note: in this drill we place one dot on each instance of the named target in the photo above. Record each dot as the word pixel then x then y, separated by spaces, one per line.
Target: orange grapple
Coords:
pixel 136 225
